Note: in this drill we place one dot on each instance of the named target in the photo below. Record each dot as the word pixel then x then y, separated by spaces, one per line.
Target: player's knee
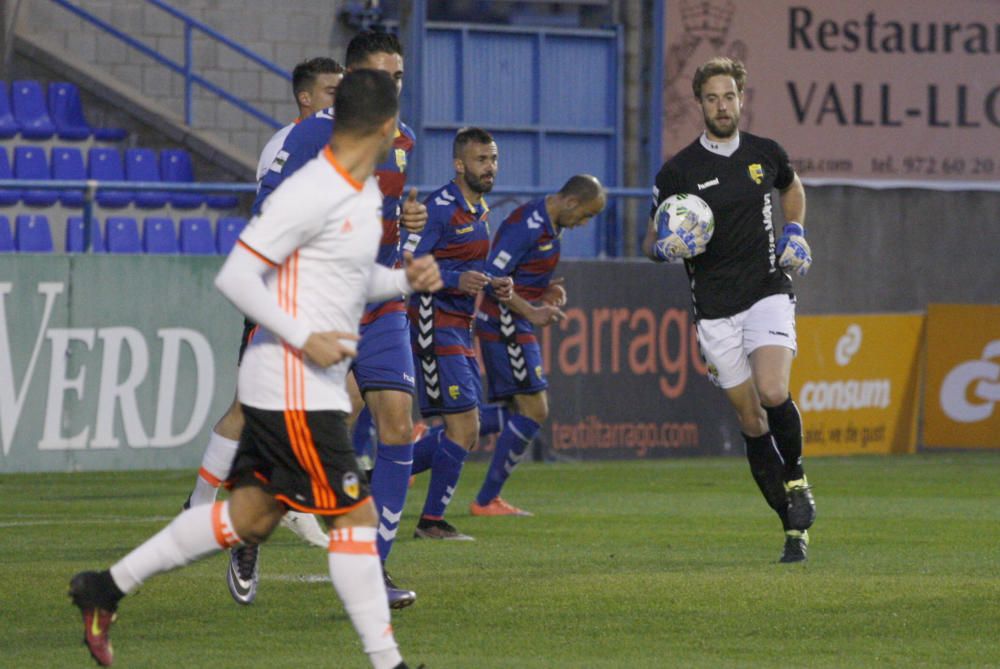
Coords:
pixel 771 395
pixel 395 429
pixel 753 422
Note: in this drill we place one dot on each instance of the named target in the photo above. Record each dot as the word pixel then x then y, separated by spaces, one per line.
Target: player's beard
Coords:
pixel 477 184
pixel 723 132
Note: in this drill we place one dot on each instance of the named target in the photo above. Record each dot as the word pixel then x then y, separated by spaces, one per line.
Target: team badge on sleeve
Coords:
pixel 756 172
pixel 401 159
pixel 501 260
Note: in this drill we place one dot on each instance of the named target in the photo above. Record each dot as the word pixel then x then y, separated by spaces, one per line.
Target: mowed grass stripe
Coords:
pixel 626 564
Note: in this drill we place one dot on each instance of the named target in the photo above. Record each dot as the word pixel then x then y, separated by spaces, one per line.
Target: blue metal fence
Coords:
pixel 187 68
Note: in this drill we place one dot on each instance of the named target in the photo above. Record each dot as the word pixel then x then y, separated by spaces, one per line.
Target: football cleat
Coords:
pixel 438 529
pixel 307 527
pixel 801 505
pixel 97 619
pixel 497 507
pixel 398 597
pixel 244 573
pixel 796 545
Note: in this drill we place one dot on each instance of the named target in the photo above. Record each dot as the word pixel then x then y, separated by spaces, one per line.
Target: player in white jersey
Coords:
pixel 303 270
pixel 314 85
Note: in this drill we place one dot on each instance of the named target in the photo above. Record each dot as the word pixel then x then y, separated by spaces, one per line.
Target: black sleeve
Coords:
pixel 785 171
pixel 667 183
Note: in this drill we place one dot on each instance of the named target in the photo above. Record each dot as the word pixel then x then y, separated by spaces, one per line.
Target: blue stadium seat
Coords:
pixel 74 235
pixel 30 111
pixel 141 165
pixel 159 235
pixel 8 196
pixel 6 238
pixel 227 231
pixel 32 234
pixel 175 166
pixel 221 201
pixel 8 126
pixel 106 165
pixel 30 163
pixel 66 111
pixel 196 237
pixel 67 163
pixel 121 235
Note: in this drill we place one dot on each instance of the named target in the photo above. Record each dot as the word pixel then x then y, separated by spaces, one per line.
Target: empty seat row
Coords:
pixel 120 234
pixel 105 164
pixel 24 110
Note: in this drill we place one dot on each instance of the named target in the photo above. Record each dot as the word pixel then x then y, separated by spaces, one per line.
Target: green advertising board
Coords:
pixel 112 362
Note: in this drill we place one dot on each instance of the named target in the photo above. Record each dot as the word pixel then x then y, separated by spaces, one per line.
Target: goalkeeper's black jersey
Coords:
pixel 738 267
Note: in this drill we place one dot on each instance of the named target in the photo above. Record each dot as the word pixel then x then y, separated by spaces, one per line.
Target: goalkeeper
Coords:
pixel 740 284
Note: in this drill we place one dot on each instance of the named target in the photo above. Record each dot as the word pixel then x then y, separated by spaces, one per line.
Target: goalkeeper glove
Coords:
pixel 677 246
pixel 793 250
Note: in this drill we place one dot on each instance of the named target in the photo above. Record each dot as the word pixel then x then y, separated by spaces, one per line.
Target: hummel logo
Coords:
pixel 779 333
pixel 709 184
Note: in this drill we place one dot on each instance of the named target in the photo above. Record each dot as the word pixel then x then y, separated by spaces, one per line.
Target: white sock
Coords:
pixel 197 532
pixel 357 577
pixel 215 466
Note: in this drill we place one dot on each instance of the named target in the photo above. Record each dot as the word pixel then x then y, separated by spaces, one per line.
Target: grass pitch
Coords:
pixel 668 563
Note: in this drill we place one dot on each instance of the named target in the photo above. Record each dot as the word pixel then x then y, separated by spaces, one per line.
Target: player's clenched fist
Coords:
pixel 472 282
pixel 329 348
pixel 423 273
pixel 555 293
pixel 503 287
pixel 413 215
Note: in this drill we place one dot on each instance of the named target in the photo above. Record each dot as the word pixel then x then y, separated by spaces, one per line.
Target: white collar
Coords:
pixel 725 149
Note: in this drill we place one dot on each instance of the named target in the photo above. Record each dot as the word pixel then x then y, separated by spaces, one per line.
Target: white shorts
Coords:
pixel 727 343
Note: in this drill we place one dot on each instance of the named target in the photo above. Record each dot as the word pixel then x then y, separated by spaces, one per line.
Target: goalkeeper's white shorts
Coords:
pixel 727 343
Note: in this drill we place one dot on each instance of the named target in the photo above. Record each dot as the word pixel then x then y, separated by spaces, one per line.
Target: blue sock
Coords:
pixel 445 470
pixel 363 435
pixel 511 446
pixel 424 450
pixel 390 481
pixel 492 418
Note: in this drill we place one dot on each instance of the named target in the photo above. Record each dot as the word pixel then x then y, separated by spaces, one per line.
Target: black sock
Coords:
pixel 108 593
pixel 768 472
pixel 786 426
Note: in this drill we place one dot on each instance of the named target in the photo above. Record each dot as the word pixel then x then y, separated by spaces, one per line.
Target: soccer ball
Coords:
pixel 689 216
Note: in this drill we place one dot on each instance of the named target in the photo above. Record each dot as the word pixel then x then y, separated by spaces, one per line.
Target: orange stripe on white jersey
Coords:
pixel 225 535
pixel 211 478
pixel 343 541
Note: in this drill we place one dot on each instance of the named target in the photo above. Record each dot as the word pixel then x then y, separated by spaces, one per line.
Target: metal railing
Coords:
pixel 186 69
pixel 91 187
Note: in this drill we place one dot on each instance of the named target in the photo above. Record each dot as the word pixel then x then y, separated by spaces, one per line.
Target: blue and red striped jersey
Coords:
pixel 526 248
pixel 458 235
pixel 305 141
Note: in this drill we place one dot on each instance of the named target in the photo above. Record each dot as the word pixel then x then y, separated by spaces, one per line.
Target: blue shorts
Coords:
pixel 384 360
pixel 512 369
pixel 447 384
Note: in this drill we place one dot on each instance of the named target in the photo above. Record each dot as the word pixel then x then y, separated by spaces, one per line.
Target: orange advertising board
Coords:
pixel 962 396
pixel 856 380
